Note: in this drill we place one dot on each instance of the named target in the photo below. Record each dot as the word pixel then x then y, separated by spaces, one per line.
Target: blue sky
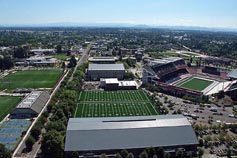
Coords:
pixel 209 13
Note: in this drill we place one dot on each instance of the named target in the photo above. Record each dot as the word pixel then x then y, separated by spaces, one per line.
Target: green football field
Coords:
pixel 114 104
pixel 195 84
pixel 7 104
pixel 30 79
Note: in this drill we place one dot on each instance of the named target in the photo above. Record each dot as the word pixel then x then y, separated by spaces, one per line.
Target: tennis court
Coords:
pixel 11 132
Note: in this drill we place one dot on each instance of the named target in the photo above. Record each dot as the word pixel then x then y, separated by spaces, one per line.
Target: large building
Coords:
pixel 115 84
pixel 31 105
pixel 163 70
pixel 103 60
pixel 97 71
pixel 95 136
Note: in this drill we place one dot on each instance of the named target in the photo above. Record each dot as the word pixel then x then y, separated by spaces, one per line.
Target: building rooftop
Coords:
pixel 233 74
pixel 106 67
pixel 127 83
pixel 86 134
pixel 101 59
pixel 29 100
pixel 163 61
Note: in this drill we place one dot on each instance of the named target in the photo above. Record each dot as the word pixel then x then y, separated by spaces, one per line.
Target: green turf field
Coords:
pixel 195 84
pixel 60 56
pixel 7 104
pixel 114 103
pixel 30 79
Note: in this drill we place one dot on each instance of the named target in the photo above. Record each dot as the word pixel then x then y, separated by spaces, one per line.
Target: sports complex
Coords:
pixel 172 75
pixel 114 104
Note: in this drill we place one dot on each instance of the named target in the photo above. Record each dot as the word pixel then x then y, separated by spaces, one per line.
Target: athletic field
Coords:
pixel 7 104
pixel 30 79
pixel 193 83
pixel 114 103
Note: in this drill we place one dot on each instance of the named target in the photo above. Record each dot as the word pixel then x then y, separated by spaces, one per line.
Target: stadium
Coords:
pixel 172 75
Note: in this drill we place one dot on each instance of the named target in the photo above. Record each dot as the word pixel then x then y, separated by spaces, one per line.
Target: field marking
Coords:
pixel 76 110
pixel 82 110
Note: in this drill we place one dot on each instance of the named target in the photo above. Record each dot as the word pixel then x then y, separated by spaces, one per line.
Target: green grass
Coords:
pixel 7 104
pixel 60 56
pixel 195 84
pixel 114 104
pixel 30 79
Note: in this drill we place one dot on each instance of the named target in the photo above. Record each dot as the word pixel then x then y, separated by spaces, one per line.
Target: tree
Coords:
pixel 52 144
pixel 72 62
pixel 20 53
pixel 118 155
pixel 124 153
pixel 130 155
pixel 63 65
pixel 4 153
pixel 167 155
pixel 103 156
pixel 150 151
pixel 160 152
pixel 6 62
pixel 129 75
pixel 200 152
pixel 59 49
pixel 201 142
pixel 56 125
pixel 179 154
pixel 30 141
pixel 143 155
pixel 35 132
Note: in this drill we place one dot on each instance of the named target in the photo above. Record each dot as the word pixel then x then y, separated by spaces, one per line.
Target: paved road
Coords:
pixel 82 60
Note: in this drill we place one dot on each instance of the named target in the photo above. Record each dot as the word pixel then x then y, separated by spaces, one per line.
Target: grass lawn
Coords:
pixel 60 56
pixel 30 79
pixel 114 103
pixel 7 104
pixel 195 84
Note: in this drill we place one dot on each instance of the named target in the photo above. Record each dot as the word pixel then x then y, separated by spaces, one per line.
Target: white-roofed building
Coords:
pixel 113 134
pixel 97 71
pixel 115 84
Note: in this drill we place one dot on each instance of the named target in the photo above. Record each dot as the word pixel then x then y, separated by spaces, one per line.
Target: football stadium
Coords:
pixel 172 75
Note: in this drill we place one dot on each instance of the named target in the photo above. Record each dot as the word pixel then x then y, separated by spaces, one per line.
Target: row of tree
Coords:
pixel 6 62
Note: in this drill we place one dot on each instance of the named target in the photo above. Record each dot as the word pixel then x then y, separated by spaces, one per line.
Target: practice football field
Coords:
pixel 114 104
pixel 197 84
pixel 30 79
pixel 7 103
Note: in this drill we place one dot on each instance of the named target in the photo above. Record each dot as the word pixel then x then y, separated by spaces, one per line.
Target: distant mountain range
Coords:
pixel 125 25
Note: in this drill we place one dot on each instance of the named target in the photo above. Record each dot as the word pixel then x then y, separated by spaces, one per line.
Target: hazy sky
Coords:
pixel 211 13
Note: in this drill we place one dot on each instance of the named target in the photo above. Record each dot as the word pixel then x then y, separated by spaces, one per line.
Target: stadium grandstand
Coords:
pixel 172 76
pixel 211 70
pixel 164 70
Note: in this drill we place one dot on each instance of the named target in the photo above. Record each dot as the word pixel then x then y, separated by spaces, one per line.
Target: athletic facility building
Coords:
pixel 103 60
pixel 94 136
pixel 31 105
pixel 97 71
pixel 115 84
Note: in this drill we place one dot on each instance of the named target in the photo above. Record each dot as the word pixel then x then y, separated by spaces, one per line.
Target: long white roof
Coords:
pixel 86 134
